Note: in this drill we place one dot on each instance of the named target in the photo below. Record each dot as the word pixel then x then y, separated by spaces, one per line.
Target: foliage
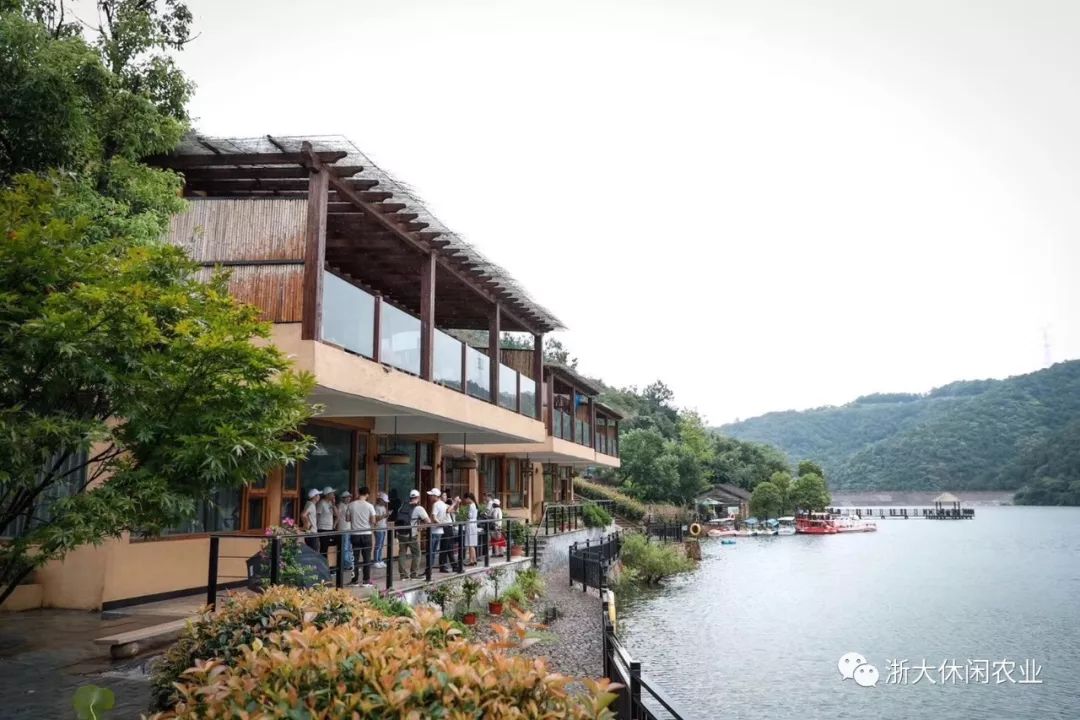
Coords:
pixel 972 435
pixel 442 595
pixel 291 571
pixel 809 467
pixel 241 621
pixel 470 588
pixel 651 562
pixel 514 596
pixel 530 582
pixel 810 493
pixel 92 702
pixel 117 361
pixel 595 516
pixel 744 464
pixel 519 532
pixel 496 575
pixel 1049 471
pixel 625 506
pixel 391 604
pixel 765 501
pixel 383 668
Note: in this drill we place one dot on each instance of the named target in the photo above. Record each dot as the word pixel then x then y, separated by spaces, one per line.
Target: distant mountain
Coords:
pixel 969 435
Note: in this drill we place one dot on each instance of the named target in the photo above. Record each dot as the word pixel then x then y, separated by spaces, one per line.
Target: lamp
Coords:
pixel 397 456
pixel 527 471
pixel 465 462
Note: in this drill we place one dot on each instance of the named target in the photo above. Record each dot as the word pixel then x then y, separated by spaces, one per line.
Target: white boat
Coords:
pixel 849 524
pixel 721 528
pixel 787 526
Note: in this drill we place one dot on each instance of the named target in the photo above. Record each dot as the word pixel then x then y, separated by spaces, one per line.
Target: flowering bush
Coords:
pixel 291 570
pixel 243 620
pixel 380 667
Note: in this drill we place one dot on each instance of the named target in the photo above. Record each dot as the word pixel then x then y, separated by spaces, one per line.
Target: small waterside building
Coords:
pixel 725 501
pixel 363 286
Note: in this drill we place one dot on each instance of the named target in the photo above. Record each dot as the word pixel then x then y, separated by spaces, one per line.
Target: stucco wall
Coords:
pixel 557 548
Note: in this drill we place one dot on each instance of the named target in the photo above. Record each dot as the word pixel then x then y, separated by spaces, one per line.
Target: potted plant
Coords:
pixel 495 605
pixel 441 595
pixel 470 587
pixel 519 534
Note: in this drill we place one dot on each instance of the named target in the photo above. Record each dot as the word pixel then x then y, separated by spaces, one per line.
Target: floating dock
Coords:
pixel 905 513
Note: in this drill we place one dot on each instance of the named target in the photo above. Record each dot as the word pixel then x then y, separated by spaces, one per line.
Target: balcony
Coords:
pixel 362 324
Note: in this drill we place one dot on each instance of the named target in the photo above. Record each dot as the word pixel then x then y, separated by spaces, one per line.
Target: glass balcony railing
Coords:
pixel 348 321
pixel 528 396
pixel 348 316
pixel 478 372
pixel 508 391
pixel 447 361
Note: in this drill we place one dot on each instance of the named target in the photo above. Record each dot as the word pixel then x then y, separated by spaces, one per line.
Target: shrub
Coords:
pixel 514 597
pixel 496 575
pixel 392 605
pixel 442 595
pixel 291 570
pixel 626 506
pixel 470 588
pixel 241 621
pixel 531 583
pixel 595 516
pixel 519 532
pixel 652 561
pixel 385 668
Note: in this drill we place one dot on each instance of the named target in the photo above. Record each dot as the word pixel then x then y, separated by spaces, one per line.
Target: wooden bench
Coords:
pixel 131 643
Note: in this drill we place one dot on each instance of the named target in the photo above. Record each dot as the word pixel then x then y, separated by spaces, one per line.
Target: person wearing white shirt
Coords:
pixel 442 515
pixel 324 518
pixel 413 515
pixel 309 518
pixel 341 524
pixel 361 517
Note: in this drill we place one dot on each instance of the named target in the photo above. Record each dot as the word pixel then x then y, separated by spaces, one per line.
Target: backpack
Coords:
pixel 404 518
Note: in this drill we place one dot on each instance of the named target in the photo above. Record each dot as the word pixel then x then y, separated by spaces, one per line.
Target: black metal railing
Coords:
pixel 666 531
pixel 239 559
pixel 566 517
pixel 639 698
pixel 590 561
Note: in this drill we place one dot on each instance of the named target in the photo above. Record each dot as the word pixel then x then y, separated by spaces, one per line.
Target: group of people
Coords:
pixel 366 525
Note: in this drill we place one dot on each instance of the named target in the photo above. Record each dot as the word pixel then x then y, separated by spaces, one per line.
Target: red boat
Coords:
pixel 815 524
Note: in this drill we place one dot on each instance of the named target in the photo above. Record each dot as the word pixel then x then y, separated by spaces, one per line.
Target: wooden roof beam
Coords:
pixel 178 162
pixel 260 173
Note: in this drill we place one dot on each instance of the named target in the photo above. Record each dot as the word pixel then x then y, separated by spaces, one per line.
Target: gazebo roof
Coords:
pixel 946 498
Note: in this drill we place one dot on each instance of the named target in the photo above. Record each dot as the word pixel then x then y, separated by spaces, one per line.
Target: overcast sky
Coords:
pixel 768 204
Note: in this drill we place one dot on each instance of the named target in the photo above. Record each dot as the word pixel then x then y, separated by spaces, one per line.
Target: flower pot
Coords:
pixel 495 607
pixel 516 551
pixel 469 618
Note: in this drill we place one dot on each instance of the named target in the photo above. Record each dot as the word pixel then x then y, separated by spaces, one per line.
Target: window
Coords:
pixel 549 483
pixel 514 490
pixel 70 478
pixel 455 480
pixel 397 480
pixel 489 477
pixel 328 462
pixel 290 492
pixel 219 513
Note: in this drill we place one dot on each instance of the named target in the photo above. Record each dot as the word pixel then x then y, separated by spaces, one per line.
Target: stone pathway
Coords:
pixel 576 647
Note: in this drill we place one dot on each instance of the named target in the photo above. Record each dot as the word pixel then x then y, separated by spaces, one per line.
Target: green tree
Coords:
pixel 765 501
pixel 129 390
pixel 644 476
pixel 782 482
pixel 809 467
pixel 556 352
pixel 810 493
pixel 119 366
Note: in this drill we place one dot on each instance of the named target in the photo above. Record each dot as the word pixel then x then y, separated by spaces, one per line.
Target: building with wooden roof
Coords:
pixel 363 286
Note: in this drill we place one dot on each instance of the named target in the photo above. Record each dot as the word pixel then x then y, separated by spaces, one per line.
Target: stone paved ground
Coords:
pixel 45 655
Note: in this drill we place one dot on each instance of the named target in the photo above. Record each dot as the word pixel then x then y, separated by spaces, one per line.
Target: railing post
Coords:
pixel 275 560
pixel 635 684
pixel 461 548
pixel 339 563
pixel 509 538
pixel 487 543
pixel 389 556
pixel 571 564
pixel 427 554
pixel 211 575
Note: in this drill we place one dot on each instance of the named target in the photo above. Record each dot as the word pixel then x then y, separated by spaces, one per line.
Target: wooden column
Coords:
pixel 376 325
pixel 427 316
pixel 550 405
pixel 592 423
pixel 616 439
pixel 538 376
pixel 314 254
pixel 494 344
pixel 573 414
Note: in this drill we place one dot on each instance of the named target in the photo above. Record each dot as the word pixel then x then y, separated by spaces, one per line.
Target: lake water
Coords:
pixel 758 629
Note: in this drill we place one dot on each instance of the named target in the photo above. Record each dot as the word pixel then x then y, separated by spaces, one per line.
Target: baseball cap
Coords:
pixel 314 492
pixel 384 497
pixel 496 502
pixel 327 490
pixel 414 493
pixel 434 491
pixel 346 494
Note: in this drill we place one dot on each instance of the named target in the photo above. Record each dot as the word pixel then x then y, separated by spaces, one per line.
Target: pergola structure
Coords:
pixel 370 230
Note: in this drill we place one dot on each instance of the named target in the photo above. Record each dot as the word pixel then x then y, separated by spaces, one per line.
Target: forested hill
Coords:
pixel 969 435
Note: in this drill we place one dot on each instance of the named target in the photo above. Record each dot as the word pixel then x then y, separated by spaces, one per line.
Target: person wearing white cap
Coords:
pixel 341 524
pixel 309 518
pixel 324 518
pixel 381 513
pixel 496 527
pixel 440 517
pixel 361 516
pixel 407 534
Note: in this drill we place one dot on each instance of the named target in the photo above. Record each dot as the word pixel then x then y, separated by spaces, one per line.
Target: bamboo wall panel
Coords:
pixel 214 230
pixel 277 290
